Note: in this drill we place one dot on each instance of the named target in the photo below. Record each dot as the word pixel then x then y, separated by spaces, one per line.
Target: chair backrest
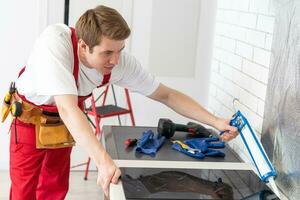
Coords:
pixel 103 95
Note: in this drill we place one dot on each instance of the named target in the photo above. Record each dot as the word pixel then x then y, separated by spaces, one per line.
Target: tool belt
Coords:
pixel 50 130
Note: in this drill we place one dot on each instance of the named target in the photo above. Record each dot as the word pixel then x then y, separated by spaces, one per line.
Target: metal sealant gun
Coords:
pixel 257 153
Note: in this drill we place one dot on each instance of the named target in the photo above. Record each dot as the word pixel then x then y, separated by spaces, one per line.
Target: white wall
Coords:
pixel 174 36
pixel 21 22
pixel 146 111
pixel 240 67
pixel 18 31
pixel 78 7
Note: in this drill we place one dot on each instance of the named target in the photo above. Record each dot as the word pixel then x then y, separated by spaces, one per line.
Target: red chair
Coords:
pixel 104 111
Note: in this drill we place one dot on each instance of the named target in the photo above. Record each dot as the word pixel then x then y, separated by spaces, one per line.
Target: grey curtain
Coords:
pixel 281 127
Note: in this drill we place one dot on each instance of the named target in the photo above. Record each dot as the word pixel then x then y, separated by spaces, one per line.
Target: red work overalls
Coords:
pixel 41 174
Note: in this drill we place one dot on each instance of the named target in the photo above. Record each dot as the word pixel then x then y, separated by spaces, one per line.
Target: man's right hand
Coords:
pixel 108 173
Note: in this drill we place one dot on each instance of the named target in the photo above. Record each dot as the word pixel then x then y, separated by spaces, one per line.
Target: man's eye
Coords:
pixel 108 53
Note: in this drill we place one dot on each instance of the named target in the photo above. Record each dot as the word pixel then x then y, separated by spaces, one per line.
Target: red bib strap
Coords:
pixel 21 72
pixel 105 80
pixel 75 50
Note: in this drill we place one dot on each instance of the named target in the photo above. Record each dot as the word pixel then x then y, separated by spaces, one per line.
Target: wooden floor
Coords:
pixel 79 189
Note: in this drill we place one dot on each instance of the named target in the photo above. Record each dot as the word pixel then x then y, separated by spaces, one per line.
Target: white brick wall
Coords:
pixel 242 51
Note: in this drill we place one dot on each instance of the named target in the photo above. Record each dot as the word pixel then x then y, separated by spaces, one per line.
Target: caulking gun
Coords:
pixel 257 153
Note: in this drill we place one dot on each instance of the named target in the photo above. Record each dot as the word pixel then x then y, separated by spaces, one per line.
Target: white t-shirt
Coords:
pixel 49 70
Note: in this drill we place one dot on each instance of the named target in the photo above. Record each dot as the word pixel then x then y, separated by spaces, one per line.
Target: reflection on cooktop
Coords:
pixel 174 182
pixel 189 184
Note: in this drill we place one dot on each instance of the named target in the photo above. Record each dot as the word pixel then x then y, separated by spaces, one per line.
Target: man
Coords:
pixel 64 66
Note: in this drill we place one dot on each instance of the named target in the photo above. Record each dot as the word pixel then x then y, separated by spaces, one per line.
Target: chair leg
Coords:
pixel 129 107
pixel 97 133
pixel 86 173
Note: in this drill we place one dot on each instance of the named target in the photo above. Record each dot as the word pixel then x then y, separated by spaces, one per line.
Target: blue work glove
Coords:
pixel 200 147
pixel 149 144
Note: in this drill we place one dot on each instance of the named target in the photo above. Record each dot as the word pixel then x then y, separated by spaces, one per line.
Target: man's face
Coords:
pixel 104 56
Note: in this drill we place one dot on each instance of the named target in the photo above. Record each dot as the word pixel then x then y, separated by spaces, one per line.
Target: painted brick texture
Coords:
pixel 241 59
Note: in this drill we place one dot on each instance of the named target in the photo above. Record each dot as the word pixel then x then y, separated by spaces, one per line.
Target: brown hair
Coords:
pixel 98 22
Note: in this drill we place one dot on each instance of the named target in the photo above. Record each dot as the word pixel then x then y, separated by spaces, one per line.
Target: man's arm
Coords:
pixel 82 132
pixel 189 108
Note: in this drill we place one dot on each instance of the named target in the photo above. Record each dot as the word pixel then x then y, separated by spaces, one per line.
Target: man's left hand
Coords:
pixel 230 132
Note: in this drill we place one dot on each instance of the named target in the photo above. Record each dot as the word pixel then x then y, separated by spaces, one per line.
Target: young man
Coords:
pixel 62 69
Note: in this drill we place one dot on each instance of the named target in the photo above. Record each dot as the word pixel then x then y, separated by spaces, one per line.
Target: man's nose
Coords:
pixel 114 59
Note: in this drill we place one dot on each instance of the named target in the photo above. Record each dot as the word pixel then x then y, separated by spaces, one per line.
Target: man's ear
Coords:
pixel 82 45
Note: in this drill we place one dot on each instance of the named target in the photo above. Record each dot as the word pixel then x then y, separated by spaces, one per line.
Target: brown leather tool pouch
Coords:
pixel 30 113
pixel 52 133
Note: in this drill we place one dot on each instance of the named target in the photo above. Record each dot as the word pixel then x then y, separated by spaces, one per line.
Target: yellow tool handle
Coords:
pixel 181 144
pixel 186 147
pixel 4 111
pixel 7 98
